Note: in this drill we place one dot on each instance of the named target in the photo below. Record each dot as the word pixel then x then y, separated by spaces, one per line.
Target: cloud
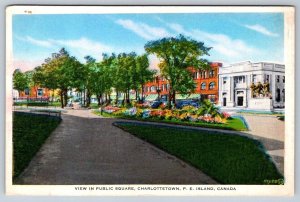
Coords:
pixel 77 47
pixel 42 43
pixel 261 29
pixel 83 46
pixel 224 45
pixel 143 30
pixel 25 65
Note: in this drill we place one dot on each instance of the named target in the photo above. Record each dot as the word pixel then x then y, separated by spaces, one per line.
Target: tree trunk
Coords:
pixel 65 95
pixel 99 100
pixel 128 97
pixel 106 98
pixel 117 97
pixel 169 98
pixel 109 99
pixel 142 93
pixel 61 99
pixel 174 97
pixel 88 98
pixel 84 97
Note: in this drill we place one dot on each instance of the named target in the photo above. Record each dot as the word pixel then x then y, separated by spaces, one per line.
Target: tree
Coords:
pixel 62 72
pixel 143 71
pixel 20 81
pixel 176 55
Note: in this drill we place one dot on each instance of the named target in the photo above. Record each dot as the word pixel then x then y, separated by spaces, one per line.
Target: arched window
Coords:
pixel 203 86
pixel 212 85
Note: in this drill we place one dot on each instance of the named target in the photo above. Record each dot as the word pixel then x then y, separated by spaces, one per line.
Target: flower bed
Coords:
pixel 187 114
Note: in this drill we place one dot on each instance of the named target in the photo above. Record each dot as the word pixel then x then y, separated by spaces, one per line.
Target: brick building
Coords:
pixel 35 93
pixel 206 85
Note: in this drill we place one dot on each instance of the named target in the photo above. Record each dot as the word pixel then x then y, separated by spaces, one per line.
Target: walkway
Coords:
pixel 87 149
pixel 270 131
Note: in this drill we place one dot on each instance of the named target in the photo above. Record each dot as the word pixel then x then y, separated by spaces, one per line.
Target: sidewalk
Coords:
pixel 88 149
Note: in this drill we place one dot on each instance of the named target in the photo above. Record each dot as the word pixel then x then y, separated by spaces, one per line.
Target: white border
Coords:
pixel 245 190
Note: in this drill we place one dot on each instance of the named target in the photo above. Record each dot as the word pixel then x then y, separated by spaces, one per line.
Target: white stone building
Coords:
pixel 235 85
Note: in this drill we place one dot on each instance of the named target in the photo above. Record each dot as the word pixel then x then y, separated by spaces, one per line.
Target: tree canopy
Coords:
pixel 177 54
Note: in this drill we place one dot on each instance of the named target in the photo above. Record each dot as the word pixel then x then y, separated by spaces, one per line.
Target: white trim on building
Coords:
pixel 236 79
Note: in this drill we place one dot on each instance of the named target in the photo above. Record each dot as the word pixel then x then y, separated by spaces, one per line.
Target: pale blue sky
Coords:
pixel 234 37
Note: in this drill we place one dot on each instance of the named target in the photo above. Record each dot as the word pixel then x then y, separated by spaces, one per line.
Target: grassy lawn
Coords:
pixel 229 159
pixel 29 133
pixel 232 123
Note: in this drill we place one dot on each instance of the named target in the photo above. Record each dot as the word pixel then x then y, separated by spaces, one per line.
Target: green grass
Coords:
pixel 232 123
pixel 229 159
pixel 37 104
pixel 29 133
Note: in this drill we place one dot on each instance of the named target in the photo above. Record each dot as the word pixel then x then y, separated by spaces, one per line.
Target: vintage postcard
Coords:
pixel 150 100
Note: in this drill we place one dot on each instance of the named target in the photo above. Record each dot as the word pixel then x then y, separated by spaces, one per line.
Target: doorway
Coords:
pixel 224 101
pixel 240 101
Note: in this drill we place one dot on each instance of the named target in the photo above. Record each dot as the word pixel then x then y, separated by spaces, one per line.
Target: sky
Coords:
pixel 234 37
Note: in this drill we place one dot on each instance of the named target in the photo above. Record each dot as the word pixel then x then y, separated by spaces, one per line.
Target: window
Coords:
pixel 162 87
pixel 152 88
pixel 239 79
pixel 254 78
pixel 26 91
pixel 283 95
pixel 167 87
pixel 283 79
pixel 195 75
pixel 278 95
pixel 203 86
pixel 267 78
pixel 224 80
pixel 212 85
pixel 40 92
pixel 211 73
pixel 277 78
pixel 204 74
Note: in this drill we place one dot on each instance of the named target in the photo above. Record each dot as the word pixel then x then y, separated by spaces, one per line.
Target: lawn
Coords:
pixel 229 159
pixel 232 123
pixel 29 133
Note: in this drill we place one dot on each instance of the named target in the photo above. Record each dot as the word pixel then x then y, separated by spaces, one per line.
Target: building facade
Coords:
pixel 35 92
pixel 252 85
pixel 206 82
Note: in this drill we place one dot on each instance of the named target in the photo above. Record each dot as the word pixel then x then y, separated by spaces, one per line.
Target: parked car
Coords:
pixel 155 104
pixel 183 103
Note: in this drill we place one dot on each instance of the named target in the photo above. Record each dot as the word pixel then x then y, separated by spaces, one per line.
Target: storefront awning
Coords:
pixel 191 96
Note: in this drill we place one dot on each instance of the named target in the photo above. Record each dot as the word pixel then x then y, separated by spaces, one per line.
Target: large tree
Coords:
pixel 61 72
pixel 177 54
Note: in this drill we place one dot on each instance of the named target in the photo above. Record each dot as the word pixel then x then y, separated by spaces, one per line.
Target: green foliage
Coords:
pixel 20 80
pixel 177 54
pixel 60 72
pixel 229 159
pixel 208 108
pixel 29 133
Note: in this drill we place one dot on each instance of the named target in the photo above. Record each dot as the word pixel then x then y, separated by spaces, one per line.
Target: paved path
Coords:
pixel 270 131
pixel 87 149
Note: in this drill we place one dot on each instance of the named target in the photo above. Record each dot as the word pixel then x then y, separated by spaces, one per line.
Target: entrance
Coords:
pixel 240 100
pixel 224 101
